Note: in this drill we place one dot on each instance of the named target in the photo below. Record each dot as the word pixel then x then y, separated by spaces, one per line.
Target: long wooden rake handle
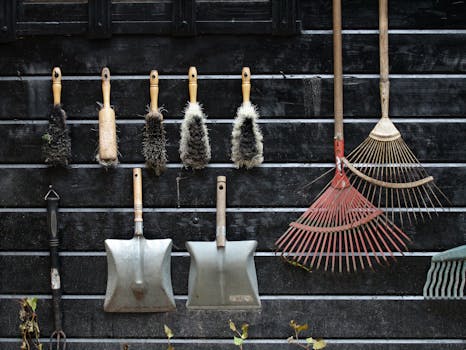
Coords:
pixel 56 85
pixel 154 90
pixel 246 84
pixel 192 84
pixel 337 71
pixel 221 211
pixel 383 48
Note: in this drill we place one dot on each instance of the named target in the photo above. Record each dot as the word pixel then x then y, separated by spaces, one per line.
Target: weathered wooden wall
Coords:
pixel 292 85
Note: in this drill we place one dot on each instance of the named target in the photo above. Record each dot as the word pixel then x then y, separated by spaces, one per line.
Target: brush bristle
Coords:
pixel 194 143
pixel 247 147
pixel 154 142
pixel 56 147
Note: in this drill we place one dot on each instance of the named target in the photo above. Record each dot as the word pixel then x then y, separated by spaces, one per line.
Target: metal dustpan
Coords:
pixel 222 273
pixel 138 269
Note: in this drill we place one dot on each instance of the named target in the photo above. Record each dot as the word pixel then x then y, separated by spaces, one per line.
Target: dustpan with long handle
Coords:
pixel 138 269
pixel 222 273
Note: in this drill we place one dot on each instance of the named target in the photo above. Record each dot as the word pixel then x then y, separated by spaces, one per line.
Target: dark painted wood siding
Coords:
pixel 292 86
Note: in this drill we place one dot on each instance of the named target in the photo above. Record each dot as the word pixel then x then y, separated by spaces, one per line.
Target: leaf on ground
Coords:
pixel 232 325
pixel 32 302
pixel 238 341
pixel 319 344
pixel 168 331
pixel 244 329
pixel 310 340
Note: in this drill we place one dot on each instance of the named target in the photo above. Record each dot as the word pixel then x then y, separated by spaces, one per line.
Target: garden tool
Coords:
pixel 138 269
pixel 222 274
pixel 246 138
pixel 56 146
pixel 341 224
pixel 194 143
pixel 153 143
pixel 383 167
pixel 446 277
pixel 58 336
pixel 108 148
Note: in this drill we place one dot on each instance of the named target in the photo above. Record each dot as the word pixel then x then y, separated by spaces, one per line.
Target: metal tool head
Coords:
pixel 138 269
pixel 222 278
pixel 222 274
pixel 58 338
pixel 146 290
pixel 446 278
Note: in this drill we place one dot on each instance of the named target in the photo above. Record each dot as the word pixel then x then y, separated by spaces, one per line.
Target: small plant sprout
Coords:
pixel 316 344
pixel 239 337
pixel 169 334
pixel 29 326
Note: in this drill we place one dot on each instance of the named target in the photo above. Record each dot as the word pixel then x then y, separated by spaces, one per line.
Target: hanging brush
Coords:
pixel 194 143
pixel 246 138
pixel 56 147
pixel 446 278
pixel 153 143
pixel 108 148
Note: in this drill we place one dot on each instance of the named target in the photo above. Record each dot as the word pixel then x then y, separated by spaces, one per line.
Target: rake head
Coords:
pixel 446 278
pixel 387 172
pixel 341 230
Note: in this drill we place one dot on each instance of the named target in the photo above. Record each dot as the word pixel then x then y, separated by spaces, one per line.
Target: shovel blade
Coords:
pixel 222 278
pixel 148 289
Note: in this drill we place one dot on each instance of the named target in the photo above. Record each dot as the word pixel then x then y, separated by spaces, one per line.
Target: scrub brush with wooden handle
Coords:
pixel 108 148
pixel 56 147
pixel 154 141
pixel 194 143
pixel 246 138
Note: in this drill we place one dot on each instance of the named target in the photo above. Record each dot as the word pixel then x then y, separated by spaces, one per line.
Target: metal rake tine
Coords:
pixel 445 279
pixel 426 290
pixel 440 281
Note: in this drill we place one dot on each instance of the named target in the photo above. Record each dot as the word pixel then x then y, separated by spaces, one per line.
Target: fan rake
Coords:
pixel 341 224
pixel 383 167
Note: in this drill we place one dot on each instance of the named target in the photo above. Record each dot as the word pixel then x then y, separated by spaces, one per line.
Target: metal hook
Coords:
pixel 51 192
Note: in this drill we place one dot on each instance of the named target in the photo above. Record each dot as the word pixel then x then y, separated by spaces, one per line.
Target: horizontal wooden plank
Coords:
pixel 368 319
pixel 353 344
pixel 287 279
pixel 86 231
pixel 283 142
pixel 413 53
pixel 302 98
pixel 260 187
pixel 402 14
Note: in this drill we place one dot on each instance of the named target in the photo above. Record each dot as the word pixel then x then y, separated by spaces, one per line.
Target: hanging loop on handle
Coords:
pixel 221 211
pixel 337 71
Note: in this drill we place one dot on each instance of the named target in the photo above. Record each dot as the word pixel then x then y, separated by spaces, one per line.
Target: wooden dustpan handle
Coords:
pixel 137 193
pixel 56 85
pixel 154 90
pixel 221 209
pixel 192 84
pixel 246 84
pixel 383 48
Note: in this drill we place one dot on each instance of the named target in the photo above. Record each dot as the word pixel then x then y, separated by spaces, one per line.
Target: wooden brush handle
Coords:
pixel 221 209
pixel 106 86
pixel 56 85
pixel 192 78
pixel 383 48
pixel 246 84
pixel 137 194
pixel 337 71
pixel 107 126
pixel 154 90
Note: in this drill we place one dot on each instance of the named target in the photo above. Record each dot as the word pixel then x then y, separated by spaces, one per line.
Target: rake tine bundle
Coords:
pixel 341 228
pixel 383 167
pixel 446 277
